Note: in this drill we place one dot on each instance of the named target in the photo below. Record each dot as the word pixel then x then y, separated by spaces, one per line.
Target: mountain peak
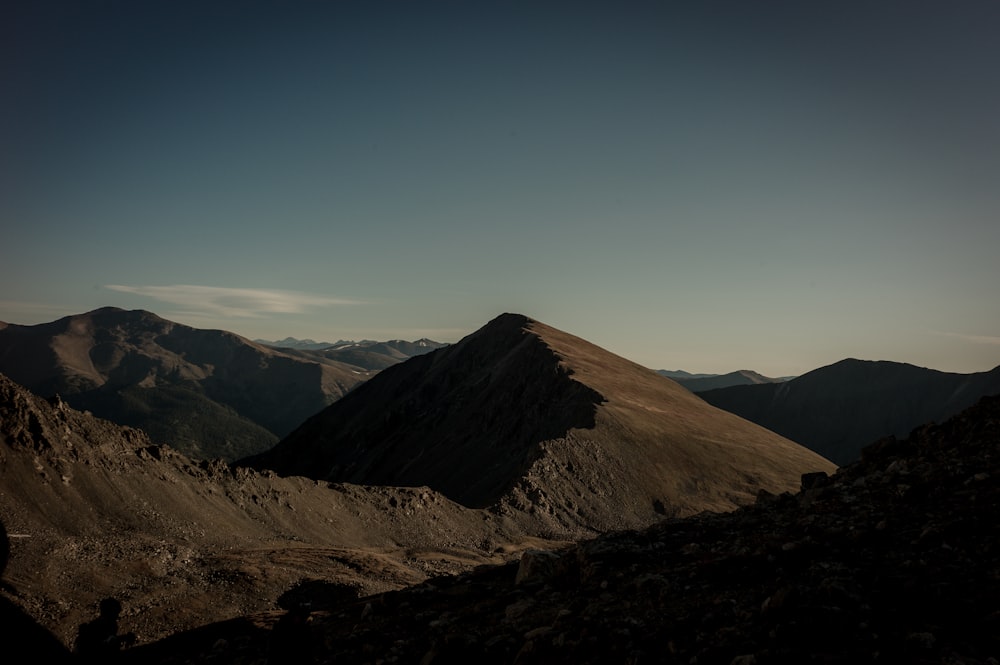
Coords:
pixel 507 322
pixel 520 416
pixel 512 318
pixel 128 314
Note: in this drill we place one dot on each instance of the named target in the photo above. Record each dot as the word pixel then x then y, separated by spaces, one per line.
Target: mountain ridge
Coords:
pixel 838 409
pixel 737 378
pixel 557 424
pixel 210 393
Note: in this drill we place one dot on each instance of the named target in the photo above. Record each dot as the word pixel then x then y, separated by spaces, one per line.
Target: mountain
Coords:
pixel 891 560
pixel 375 356
pixel 91 509
pixel 838 409
pixel 367 354
pixel 523 418
pixel 210 393
pixel 681 374
pixel 743 377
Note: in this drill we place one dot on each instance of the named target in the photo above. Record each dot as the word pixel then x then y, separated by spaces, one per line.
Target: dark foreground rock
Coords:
pixel 892 560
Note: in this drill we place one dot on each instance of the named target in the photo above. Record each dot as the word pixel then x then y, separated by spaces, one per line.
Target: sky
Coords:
pixel 706 186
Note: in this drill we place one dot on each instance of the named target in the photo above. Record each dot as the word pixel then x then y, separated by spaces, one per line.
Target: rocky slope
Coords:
pixel 209 393
pixel 893 559
pixel 529 420
pixel 93 509
pixel 838 409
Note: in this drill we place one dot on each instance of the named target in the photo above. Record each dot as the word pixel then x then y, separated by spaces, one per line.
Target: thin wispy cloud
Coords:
pixel 230 302
pixel 975 339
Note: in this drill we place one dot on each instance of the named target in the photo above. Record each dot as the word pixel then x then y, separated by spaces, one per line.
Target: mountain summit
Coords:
pixel 527 419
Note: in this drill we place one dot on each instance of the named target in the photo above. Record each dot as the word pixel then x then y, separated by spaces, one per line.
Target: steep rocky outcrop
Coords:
pixel 839 409
pixel 529 420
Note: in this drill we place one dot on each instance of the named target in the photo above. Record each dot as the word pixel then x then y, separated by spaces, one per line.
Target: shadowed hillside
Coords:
pixel 838 409
pixel 529 419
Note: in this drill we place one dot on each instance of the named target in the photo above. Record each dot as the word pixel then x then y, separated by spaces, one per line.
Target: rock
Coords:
pixel 516 610
pixel 746 659
pixel 538 566
pixel 814 480
pixel 925 641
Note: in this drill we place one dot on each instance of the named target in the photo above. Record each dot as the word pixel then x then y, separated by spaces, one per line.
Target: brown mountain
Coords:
pixel 209 393
pixel 90 509
pixel 839 409
pixel 527 419
pixel 743 377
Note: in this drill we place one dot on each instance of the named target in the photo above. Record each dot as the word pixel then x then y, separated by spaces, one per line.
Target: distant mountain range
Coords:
pixel 307 344
pixel 374 356
pixel 681 374
pixel 209 393
pixel 743 377
pixel 396 348
pixel 700 382
pixel 839 409
pixel 526 417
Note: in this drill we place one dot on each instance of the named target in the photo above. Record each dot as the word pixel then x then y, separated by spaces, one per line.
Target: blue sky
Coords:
pixel 706 186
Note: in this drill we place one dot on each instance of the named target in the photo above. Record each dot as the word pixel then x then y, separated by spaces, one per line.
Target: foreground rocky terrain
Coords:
pixel 894 559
